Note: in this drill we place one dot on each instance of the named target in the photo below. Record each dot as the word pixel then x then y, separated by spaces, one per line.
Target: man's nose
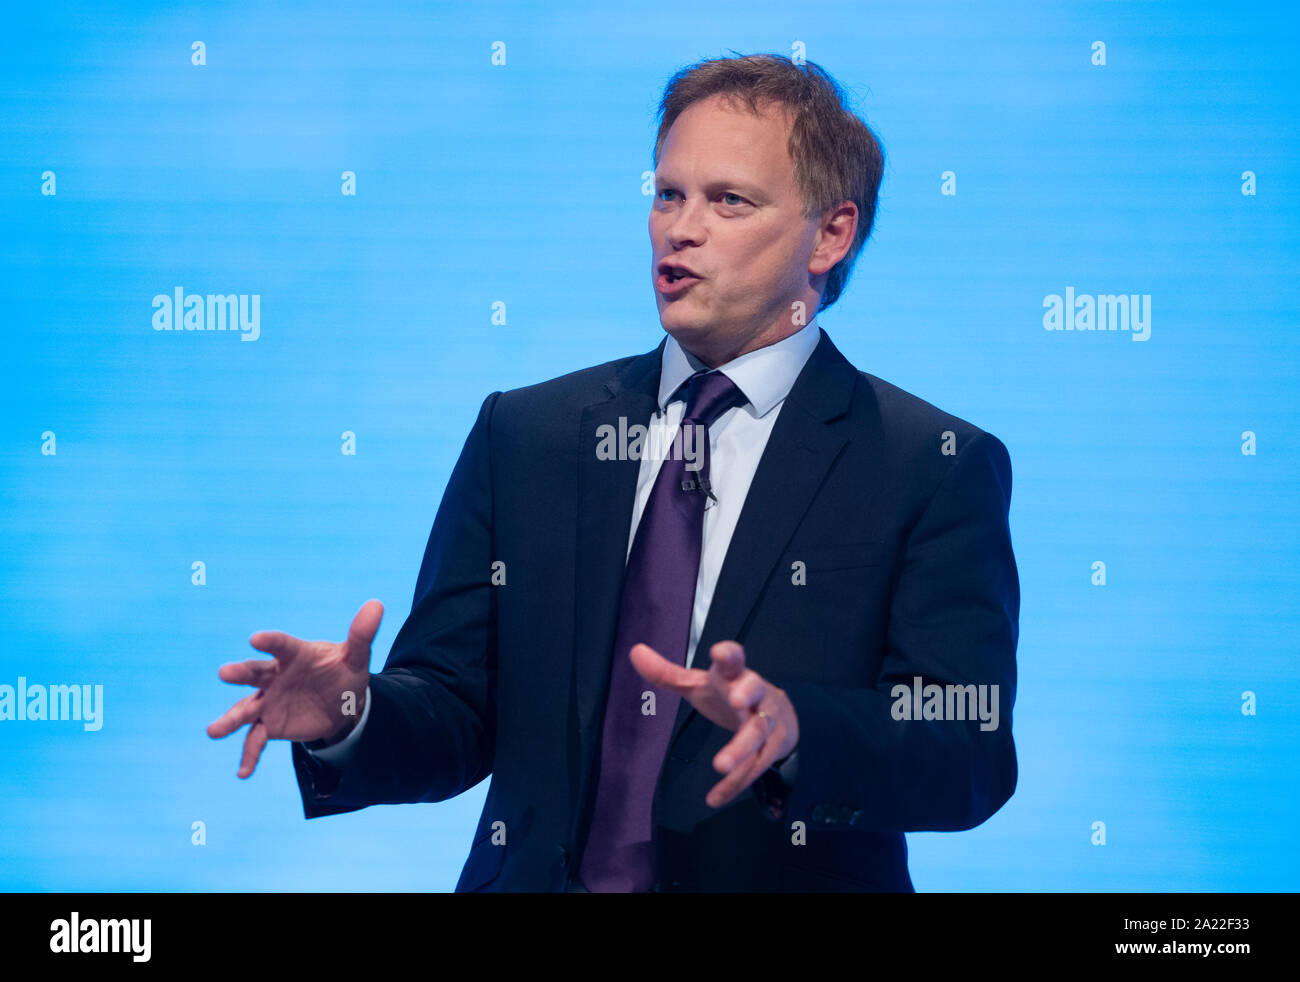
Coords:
pixel 686 227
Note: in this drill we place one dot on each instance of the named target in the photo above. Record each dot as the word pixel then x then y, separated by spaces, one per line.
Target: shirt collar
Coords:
pixel 765 375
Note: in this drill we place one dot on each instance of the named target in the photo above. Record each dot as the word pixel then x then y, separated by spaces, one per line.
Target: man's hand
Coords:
pixel 300 692
pixel 731 696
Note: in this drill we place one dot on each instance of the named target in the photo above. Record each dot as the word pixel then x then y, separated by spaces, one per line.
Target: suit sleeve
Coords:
pixel 954 619
pixel 432 723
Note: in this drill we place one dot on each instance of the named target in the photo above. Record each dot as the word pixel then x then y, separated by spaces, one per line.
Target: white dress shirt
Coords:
pixel 736 442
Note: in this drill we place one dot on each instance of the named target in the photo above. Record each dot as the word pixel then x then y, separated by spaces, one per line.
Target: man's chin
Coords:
pixel 697 337
pixel 684 328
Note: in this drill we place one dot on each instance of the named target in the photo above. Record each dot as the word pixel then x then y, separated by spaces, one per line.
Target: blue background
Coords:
pixel 522 183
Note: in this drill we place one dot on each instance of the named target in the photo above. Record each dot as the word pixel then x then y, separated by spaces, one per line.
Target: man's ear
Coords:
pixel 834 237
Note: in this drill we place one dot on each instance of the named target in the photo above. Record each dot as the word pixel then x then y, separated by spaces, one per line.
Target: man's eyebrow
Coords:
pixel 717 184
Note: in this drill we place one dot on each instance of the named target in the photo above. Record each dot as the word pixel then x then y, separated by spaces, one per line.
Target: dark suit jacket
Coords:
pixel 909 572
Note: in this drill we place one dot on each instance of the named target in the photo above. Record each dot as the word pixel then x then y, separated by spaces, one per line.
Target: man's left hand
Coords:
pixel 732 696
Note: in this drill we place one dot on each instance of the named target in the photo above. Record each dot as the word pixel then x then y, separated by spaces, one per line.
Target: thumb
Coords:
pixel 362 634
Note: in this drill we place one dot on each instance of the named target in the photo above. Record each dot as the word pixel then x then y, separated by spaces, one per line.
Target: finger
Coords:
pixel 259 672
pixel 748 772
pixel 727 659
pixel 244 711
pixel 748 692
pixel 361 634
pixel 659 671
pixel 283 646
pixel 253 744
pixel 748 739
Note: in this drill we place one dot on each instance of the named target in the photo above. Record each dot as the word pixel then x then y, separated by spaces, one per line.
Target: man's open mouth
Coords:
pixel 670 274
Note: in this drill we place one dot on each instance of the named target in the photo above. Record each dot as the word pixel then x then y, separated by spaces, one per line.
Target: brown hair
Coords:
pixel 836 155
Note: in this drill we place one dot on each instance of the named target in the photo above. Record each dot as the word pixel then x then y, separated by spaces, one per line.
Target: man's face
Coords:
pixel 727 208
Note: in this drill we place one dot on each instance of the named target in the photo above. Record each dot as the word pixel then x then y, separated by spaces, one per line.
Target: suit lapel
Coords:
pixel 803 445
pixel 606 493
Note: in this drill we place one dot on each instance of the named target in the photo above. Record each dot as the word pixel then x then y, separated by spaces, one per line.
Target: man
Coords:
pixel 695 670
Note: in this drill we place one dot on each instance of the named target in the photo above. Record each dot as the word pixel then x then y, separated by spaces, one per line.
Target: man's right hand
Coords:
pixel 300 693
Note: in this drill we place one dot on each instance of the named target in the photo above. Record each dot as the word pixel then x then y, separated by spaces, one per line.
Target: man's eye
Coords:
pixel 726 196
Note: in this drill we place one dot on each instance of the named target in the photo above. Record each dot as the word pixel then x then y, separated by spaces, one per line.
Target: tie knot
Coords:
pixel 709 394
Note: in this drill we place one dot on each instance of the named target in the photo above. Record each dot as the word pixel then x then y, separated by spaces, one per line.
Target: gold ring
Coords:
pixel 770 721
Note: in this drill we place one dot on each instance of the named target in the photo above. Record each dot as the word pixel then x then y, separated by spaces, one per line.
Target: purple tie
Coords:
pixel 658 600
